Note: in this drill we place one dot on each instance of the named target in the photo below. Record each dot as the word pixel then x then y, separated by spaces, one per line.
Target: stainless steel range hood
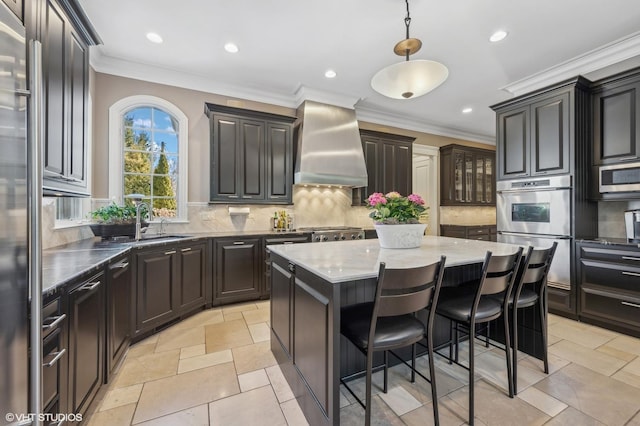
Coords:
pixel 329 146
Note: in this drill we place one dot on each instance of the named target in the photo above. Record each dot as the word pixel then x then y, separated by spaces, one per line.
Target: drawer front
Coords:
pixel 473 231
pixel 610 275
pixel 485 237
pixel 623 256
pixel 52 318
pixel 619 307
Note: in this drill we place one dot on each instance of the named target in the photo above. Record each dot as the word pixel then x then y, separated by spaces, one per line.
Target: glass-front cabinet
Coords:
pixel 467 176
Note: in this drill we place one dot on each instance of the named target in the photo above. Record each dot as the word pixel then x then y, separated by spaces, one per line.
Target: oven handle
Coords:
pixel 547 236
pixel 523 190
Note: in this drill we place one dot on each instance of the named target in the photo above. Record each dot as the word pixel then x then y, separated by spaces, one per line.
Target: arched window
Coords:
pixel 148 154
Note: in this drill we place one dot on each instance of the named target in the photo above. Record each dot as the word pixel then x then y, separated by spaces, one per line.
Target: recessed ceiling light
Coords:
pixel 231 48
pixel 154 38
pixel 330 74
pixel 498 35
pixel 467 110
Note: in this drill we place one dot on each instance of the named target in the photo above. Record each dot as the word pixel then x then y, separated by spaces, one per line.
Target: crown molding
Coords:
pixel 604 56
pixel 388 118
pixel 154 74
pixel 171 77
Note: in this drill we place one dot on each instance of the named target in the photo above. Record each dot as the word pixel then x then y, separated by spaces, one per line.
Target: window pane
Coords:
pixel 137 184
pixel 140 118
pixel 150 158
pixel 137 162
pixel 164 121
pixel 170 141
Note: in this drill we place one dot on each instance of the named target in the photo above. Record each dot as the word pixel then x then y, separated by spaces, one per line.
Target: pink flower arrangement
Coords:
pixel 393 208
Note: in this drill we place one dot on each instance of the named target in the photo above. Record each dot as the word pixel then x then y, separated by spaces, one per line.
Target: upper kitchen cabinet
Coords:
pixel 537 133
pixel 251 156
pixel 65 34
pixel 388 159
pixel 616 118
pixel 467 176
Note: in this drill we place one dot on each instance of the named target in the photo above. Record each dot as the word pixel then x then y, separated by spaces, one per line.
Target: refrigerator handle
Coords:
pixel 34 220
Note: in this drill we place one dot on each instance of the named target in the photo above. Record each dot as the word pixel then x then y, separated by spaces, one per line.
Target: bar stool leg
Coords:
pixel 367 408
pixel 543 328
pixel 413 363
pixel 450 341
pixel 515 348
pixel 472 326
pixel 432 376
pixel 507 349
pixel 386 371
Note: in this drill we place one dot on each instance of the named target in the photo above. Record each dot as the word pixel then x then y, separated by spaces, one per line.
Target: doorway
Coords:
pixel 426 182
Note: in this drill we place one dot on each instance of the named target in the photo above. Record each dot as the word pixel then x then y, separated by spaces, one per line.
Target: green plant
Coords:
pixel 115 214
pixel 393 208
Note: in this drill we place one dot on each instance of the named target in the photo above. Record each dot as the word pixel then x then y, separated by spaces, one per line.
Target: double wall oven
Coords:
pixel 538 212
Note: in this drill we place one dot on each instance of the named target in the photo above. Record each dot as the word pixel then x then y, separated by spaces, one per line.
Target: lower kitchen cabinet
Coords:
pixel 237 269
pixel 609 286
pixel 472 232
pixel 170 281
pixel 282 304
pixel 54 354
pixel 119 283
pixel 86 342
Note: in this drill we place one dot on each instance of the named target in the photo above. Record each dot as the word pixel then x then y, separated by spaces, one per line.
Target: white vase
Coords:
pixel 400 236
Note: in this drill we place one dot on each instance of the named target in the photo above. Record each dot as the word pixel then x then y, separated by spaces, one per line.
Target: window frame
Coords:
pixel 117 111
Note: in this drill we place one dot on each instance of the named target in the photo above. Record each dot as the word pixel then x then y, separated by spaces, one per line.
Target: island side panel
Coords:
pixel 311 362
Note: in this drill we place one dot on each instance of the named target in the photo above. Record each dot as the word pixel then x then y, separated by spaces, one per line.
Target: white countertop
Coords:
pixel 342 261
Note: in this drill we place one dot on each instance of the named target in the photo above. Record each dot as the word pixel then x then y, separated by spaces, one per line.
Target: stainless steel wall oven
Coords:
pixel 538 212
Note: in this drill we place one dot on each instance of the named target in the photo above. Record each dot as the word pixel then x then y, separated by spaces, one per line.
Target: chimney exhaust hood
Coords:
pixel 329 146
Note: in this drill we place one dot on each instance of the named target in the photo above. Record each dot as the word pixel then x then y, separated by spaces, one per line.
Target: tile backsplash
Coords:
pixel 313 206
pixel 450 215
pixel 611 217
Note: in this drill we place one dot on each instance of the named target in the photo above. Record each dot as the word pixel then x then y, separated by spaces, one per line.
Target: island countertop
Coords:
pixel 342 261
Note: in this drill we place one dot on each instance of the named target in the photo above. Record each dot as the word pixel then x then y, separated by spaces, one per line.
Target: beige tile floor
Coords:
pixel 216 368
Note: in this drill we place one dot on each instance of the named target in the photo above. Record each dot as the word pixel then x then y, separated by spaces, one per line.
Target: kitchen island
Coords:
pixel 310 283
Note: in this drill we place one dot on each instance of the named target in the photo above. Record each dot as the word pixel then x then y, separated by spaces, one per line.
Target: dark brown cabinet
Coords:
pixel 282 304
pixel 156 287
pixel 616 118
pixel 537 133
pixel 388 159
pixel 54 354
pixel 192 260
pixel 66 36
pixel 119 312
pixel 467 176
pixel 470 232
pixel 237 269
pixel 609 294
pixel 86 342
pixel 170 281
pixel 251 156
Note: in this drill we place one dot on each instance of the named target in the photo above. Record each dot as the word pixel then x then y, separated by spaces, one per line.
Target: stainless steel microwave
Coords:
pixel 624 177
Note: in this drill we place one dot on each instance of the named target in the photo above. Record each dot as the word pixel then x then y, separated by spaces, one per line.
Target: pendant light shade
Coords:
pixel 409 79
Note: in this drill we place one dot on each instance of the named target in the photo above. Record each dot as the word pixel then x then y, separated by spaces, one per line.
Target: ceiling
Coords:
pixel 288 44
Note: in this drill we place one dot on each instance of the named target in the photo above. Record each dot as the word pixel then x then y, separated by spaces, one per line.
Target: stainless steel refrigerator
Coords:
pixel 19 227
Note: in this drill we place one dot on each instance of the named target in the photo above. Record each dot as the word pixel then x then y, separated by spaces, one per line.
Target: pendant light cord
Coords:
pixel 407 20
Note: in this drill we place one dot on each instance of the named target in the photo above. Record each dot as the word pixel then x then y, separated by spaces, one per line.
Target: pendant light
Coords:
pixel 409 79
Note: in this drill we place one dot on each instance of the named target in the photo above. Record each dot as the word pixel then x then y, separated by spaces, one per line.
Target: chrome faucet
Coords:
pixel 137 201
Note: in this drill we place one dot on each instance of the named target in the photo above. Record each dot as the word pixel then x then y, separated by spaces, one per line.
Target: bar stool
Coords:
pixel 533 271
pixel 389 322
pixel 471 303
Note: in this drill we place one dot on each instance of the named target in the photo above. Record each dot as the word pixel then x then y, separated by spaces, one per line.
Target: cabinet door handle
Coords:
pixel 185 249
pixel 56 320
pixel 633 274
pixel 232 196
pixel 633 157
pixel 292 267
pixel 633 305
pixel 631 258
pixel 90 286
pixel 170 252
pixel 55 359
pixel 247 196
pixel 121 265
pixel 238 243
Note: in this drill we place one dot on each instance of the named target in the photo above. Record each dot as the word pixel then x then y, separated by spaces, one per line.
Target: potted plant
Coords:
pixel 114 220
pixel 397 219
